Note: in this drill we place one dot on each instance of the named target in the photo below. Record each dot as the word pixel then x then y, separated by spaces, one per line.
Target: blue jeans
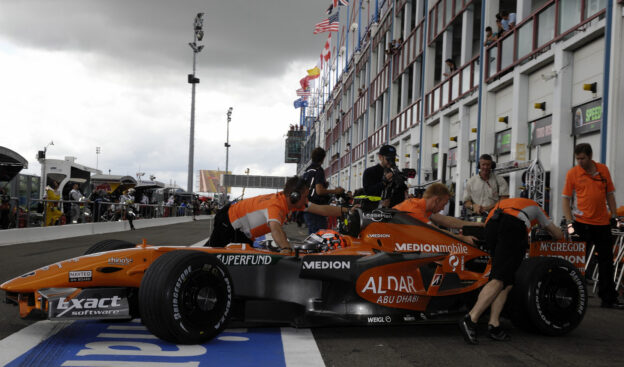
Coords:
pixel 315 222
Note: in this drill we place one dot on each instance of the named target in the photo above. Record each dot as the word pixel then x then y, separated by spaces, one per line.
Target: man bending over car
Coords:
pixel 433 201
pixel 506 235
pixel 245 220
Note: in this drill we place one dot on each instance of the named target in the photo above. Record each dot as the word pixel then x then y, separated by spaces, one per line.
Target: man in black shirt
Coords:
pixel 379 178
pixel 319 194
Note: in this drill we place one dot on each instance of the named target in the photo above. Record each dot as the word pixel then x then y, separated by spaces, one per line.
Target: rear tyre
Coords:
pixel 109 245
pixel 550 296
pixel 186 297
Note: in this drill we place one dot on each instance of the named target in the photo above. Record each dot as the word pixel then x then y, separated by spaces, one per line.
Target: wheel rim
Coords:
pixel 203 298
pixel 559 300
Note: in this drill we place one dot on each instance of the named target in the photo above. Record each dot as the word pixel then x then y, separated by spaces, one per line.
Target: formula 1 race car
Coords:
pixel 383 268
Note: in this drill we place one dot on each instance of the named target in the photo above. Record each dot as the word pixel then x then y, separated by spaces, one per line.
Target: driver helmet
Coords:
pixel 331 239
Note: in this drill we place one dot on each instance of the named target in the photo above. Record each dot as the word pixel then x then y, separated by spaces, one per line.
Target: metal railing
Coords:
pixel 42 212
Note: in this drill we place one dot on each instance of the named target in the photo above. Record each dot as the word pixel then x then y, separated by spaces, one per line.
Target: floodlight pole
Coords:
pixel 227 142
pixel 198 34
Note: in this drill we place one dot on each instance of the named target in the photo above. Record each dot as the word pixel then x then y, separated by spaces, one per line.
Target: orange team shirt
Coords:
pixel 531 214
pixel 252 216
pixel 416 208
pixel 591 193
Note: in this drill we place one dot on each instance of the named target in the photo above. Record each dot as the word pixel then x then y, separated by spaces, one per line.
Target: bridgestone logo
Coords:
pixel 321 265
pixel 426 247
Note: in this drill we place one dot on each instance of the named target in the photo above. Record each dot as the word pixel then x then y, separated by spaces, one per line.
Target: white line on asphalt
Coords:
pixel 21 342
pixel 300 349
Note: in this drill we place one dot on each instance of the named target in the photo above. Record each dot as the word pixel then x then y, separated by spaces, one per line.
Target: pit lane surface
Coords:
pixel 597 341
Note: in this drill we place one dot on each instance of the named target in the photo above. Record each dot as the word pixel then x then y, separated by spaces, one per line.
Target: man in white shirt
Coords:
pixel 484 190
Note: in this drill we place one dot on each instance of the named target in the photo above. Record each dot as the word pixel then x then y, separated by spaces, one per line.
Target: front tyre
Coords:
pixel 550 295
pixel 186 297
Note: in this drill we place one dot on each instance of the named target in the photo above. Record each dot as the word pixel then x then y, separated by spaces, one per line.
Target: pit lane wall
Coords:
pixel 37 234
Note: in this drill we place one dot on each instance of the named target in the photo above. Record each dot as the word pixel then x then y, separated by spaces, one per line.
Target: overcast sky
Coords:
pixel 113 74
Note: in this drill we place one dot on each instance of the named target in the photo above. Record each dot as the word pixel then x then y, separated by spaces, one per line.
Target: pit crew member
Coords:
pixel 506 235
pixel 318 192
pixel 485 189
pixel 591 181
pixel 245 220
pixel 426 210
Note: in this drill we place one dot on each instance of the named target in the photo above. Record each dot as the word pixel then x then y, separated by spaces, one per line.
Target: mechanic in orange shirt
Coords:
pixel 243 221
pixel 591 181
pixel 433 201
pixel 506 234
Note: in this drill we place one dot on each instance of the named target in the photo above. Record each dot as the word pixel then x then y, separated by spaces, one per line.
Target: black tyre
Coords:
pixel 186 297
pixel 109 245
pixel 550 296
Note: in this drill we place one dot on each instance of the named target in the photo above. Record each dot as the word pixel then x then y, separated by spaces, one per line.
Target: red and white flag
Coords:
pixel 326 52
pixel 303 92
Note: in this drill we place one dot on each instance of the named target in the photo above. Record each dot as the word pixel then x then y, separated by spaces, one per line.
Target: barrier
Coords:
pixel 36 234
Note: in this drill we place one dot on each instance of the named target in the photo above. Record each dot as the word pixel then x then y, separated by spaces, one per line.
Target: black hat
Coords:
pixel 388 151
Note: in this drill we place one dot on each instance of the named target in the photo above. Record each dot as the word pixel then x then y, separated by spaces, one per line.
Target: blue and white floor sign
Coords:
pixel 94 343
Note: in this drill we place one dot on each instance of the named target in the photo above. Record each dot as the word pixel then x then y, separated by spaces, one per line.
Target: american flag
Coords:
pixel 303 92
pixel 331 24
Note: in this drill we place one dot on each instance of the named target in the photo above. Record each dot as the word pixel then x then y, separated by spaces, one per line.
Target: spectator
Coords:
pixel 75 195
pixel 508 20
pixel 314 177
pixel 5 209
pixel 450 64
pixel 126 201
pixel 591 181
pixel 239 222
pixel 490 37
pixel 506 235
pixel 499 25
pixel 427 210
pixel 485 189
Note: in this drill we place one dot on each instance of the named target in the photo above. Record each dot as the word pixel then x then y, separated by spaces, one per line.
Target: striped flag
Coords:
pixel 337 3
pixel 331 24
pixel 303 92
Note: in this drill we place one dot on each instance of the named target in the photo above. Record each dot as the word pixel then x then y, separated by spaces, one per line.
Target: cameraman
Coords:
pixel 314 177
pixel 380 180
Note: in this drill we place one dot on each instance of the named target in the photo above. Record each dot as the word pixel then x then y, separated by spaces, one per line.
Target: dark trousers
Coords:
pixel 315 222
pixel 601 237
pixel 223 233
pixel 507 241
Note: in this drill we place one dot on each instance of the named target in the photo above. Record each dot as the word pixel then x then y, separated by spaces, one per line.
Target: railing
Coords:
pixel 378 138
pixel 335 133
pixel 347 121
pixel 536 33
pixel 360 104
pixel 41 213
pixel 380 83
pixel 328 140
pixel 359 151
pixel 410 50
pixel 345 161
pixel 443 13
pixel 456 86
pixel 406 119
pixel 384 24
pixel 335 166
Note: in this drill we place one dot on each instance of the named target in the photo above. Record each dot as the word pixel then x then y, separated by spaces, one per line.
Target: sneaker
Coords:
pixel 468 329
pixel 497 333
pixel 617 304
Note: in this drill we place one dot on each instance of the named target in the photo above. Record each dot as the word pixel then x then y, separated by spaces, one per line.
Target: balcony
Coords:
pixel 442 14
pixel 411 49
pixel 380 83
pixel 347 121
pixel 359 151
pixel 406 119
pixel 456 86
pixel 548 24
pixel 360 104
pixel 378 138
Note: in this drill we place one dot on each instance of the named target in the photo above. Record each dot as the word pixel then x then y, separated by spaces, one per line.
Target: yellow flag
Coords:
pixel 314 71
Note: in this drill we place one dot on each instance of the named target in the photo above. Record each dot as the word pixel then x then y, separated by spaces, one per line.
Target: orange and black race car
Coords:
pixel 383 268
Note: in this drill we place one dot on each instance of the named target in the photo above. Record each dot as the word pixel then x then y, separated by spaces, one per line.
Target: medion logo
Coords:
pixel 427 247
pixel 321 265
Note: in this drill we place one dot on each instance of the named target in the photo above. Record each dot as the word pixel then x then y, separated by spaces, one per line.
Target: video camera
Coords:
pixel 399 177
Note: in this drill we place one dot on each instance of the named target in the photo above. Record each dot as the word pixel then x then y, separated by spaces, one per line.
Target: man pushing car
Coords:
pixel 244 221
pixel 506 235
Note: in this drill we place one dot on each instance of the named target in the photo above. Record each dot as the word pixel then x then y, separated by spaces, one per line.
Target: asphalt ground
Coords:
pixel 597 341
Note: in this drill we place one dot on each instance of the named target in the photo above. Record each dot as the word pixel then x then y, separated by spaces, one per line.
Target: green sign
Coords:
pixel 503 142
pixel 587 117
